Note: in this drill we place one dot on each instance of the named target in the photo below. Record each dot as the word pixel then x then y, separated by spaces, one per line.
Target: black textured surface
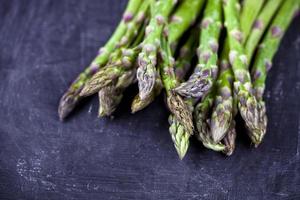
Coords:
pixel 45 44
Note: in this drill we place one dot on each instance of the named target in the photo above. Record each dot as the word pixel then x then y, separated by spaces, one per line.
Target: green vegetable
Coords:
pixel 71 97
pixel 260 25
pixel 263 59
pixel 206 71
pixel 147 59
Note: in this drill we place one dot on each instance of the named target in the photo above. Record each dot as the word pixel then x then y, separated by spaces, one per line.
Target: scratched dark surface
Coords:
pixel 45 44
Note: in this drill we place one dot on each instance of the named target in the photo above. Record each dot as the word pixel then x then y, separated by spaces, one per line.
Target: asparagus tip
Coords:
pixel 66 105
pixel 197 86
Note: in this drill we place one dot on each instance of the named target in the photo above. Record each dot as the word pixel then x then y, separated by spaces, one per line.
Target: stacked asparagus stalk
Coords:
pixel 156 44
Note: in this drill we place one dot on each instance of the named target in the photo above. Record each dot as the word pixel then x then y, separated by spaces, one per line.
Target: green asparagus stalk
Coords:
pixel 206 71
pixel 175 103
pixel 222 122
pixel 248 22
pixel 260 25
pixel 250 10
pixel 111 95
pixel 263 59
pixel 71 98
pixel 247 102
pixel 118 65
pixel 104 78
pixel 112 80
pixel 146 73
pixel 222 111
pixel 201 115
pixel 180 136
pixel 184 16
pixel 181 117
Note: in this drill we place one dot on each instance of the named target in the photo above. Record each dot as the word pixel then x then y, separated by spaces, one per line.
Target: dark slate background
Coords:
pixel 45 44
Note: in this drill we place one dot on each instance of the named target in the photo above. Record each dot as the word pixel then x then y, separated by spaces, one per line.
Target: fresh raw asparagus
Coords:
pixel 112 80
pixel 122 59
pixel 222 120
pixel 178 132
pixel 181 120
pixel 122 65
pixel 184 16
pixel 143 49
pixel 222 111
pixel 260 25
pixel 265 15
pixel 201 115
pixel 250 10
pixel 263 59
pixel 206 71
pixel 247 102
pixel 270 44
pixel 147 59
pixel 71 98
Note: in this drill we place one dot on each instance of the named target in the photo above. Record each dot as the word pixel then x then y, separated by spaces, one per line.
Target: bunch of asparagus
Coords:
pixel 156 45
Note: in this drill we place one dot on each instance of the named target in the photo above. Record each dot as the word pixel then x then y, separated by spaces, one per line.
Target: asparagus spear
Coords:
pixel 71 98
pixel 112 80
pixel 178 132
pixel 250 9
pixel 206 71
pixel 223 106
pixel 260 26
pixel 184 16
pixel 265 15
pixel 180 136
pixel 247 102
pixel 122 59
pixel 139 104
pixel 226 103
pixel 104 78
pixel 201 114
pixel 111 95
pixel 146 73
pixel 181 119
pixel 263 59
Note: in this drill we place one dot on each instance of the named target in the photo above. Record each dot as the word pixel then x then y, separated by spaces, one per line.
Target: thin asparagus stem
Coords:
pixel 181 123
pixel 225 109
pixel 222 111
pixel 119 64
pixel 263 59
pixel 71 97
pixel 112 80
pixel 247 102
pixel 183 17
pixel 265 16
pixel 201 115
pixel 179 134
pixel 250 10
pixel 206 71
pixel 260 25
pixel 147 59
pixel 175 103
